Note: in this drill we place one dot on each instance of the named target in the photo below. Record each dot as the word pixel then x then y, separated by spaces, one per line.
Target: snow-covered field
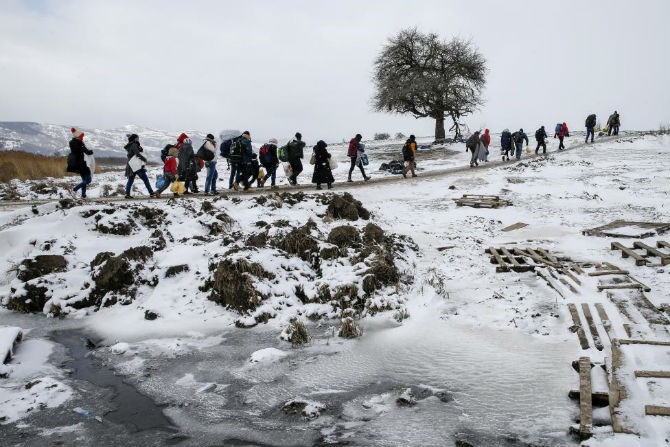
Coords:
pixel 451 352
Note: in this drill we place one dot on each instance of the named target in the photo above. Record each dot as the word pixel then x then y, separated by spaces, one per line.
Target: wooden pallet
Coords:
pixel 481 201
pixel 617 227
pixel 650 252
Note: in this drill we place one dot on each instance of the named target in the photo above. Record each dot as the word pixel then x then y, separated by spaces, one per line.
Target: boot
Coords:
pixel 330 186
pixel 349 179
pixel 318 186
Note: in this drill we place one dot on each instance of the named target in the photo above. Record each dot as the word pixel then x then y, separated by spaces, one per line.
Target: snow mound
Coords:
pixel 267 355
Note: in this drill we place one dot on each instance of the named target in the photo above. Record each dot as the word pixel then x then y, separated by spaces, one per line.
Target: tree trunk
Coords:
pixel 456 127
pixel 439 130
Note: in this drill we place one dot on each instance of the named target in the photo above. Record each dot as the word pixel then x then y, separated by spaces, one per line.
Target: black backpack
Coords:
pixel 205 154
pixel 591 120
pixel 236 150
pixel 472 142
pixel 407 153
pixel 538 134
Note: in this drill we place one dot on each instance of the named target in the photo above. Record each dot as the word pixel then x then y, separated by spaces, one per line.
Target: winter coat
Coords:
pixel 274 160
pixel 209 146
pixel 180 140
pixel 247 150
pixel 409 156
pixel 506 141
pixel 472 142
pixel 294 150
pixel 540 135
pixel 78 148
pixel 590 121
pixel 133 149
pixel 519 136
pixel 566 132
pixel 482 151
pixel 353 147
pixel 322 172
pixel 170 165
pixel 187 169
pixel 486 138
pixel 613 120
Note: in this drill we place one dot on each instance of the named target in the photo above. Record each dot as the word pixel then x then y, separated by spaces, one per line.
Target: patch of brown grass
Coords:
pixel 22 165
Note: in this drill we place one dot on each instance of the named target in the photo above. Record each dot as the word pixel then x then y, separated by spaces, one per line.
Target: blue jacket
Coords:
pixel 247 150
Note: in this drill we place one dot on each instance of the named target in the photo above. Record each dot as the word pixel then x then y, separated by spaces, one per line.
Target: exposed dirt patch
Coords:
pixel 33 300
pixel 300 242
pixel 41 265
pixel 232 284
pixel 344 236
pixel 345 207
pixel 175 270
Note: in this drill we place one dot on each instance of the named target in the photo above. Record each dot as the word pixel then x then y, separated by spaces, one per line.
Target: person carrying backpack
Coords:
pixel 560 133
pixel 169 169
pixel 322 172
pixel 354 153
pixel 505 144
pixel 540 137
pixel 134 150
pixel 484 141
pixel 409 156
pixel 241 154
pixel 268 158
pixel 208 153
pixel 613 124
pixel 77 162
pixel 472 144
pixel 590 124
pixel 188 170
pixel 518 138
pixel 294 154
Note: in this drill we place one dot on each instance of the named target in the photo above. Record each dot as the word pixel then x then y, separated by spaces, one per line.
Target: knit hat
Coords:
pixel 412 137
pixel 132 137
pixel 298 135
pixel 359 137
pixel 210 137
pixel 76 133
pixel 246 132
pixel 272 141
pixel 321 144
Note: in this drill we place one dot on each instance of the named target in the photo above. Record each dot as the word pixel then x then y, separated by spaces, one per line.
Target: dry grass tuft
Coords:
pixel 22 165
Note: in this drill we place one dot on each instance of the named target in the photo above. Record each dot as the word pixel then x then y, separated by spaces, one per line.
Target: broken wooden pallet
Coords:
pixel 650 252
pixel 481 201
pixel 628 229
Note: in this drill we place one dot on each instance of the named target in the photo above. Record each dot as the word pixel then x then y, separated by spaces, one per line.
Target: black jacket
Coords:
pixel 187 169
pixel 77 163
pixel 133 149
pixel 322 172
pixel 294 150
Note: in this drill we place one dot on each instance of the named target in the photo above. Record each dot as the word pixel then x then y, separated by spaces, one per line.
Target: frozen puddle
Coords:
pixel 472 384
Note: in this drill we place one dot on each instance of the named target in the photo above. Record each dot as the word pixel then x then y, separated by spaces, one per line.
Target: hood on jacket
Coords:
pixel 181 138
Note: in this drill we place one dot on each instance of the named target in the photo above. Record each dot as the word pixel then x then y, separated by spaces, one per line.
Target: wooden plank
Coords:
pixel 546 254
pixel 620 286
pixel 581 335
pixel 656 410
pixel 608 272
pixel 653 374
pixel 592 326
pixel 598 398
pixel 538 258
pixel 571 276
pixel 662 244
pixel 502 266
pixel 652 251
pixel 585 403
pixel 515 226
pixel 607 323
pixel 566 283
pixel 510 257
pixel 645 342
pixel 628 329
pixel 577 269
pixel 617 391
pixel 628 252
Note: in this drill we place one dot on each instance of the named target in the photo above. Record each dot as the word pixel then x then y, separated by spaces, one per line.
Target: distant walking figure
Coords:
pixel 613 124
pixel 518 138
pixel 77 162
pixel 472 144
pixel 134 153
pixel 322 172
pixel 540 137
pixel 354 153
pixel 505 144
pixel 295 154
pixel 590 124
pixel 409 156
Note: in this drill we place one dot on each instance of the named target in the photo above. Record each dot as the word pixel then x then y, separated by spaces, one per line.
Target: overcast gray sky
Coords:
pixel 274 67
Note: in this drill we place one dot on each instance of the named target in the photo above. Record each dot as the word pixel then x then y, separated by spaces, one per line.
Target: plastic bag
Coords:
pixel 261 173
pixel 288 170
pixel 90 162
pixel 177 187
pixel 312 159
pixel 364 159
pixel 135 163
pixel 528 150
pixel 160 181
pixel 332 162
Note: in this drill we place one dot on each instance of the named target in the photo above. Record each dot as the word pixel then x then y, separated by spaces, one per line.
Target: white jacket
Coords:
pixel 210 147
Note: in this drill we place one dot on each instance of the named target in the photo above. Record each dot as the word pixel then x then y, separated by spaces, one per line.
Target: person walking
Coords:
pixel 268 158
pixel 590 124
pixel 77 162
pixel 613 123
pixel 409 156
pixel 187 166
pixel 505 144
pixel 209 152
pixel 518 138
pixel 242 152
pixel 540 137
pixel 354 153
pixel 169 169
pixel 472 144
pixel 484 141
pixel 295 155
pixel 560 133
pixel 322 172
pixel 135 158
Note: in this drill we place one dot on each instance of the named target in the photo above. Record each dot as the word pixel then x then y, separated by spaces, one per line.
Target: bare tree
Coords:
pixel 421 75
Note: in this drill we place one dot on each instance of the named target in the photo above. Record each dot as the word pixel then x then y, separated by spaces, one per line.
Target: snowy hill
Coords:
pixel 48 139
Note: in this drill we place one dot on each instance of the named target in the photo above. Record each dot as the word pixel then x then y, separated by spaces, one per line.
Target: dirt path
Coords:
pixel 310 187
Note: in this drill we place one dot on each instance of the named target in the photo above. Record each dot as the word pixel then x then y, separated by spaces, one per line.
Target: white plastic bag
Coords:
pixel 135 163
pixel 90 162
pixel 333 163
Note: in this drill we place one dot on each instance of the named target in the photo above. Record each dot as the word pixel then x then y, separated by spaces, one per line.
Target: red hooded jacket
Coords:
pixel 180 140
pixel 486 138
pixel 170 165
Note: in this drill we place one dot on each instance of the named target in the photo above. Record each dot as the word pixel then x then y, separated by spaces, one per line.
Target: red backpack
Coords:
pixel 264 154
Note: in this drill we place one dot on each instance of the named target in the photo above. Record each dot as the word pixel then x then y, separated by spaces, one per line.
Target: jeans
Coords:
pixel 615 130
pixel 518 150
pixel 543 145
pixel 142 174
pixel 85 180
pixel 356 161
pixel 270 172
pixel 235 173
pixel 212 175
pixel 561 146
pixel 589 131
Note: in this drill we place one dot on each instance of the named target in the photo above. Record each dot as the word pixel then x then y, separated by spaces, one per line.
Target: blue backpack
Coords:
pixel 559 128
pixel 225 148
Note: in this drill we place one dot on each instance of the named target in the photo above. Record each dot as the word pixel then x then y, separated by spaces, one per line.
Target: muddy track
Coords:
pixel 308 187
